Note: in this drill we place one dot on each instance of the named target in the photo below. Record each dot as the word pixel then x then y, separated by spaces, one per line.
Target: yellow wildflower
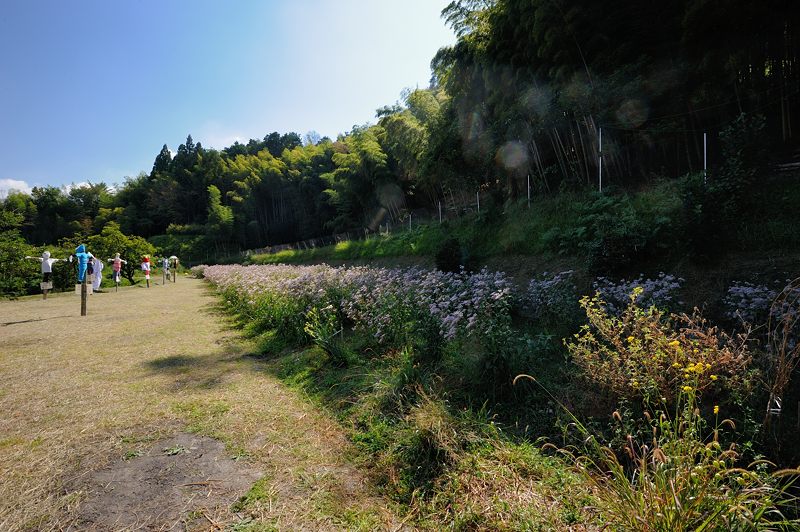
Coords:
pixel 687 389
pixel 674 343
pixel 713 377
pixel 716 409
pixel 630 339
pixel 676 365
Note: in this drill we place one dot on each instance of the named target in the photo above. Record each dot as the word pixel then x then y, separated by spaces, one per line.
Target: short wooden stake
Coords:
pixel 83 297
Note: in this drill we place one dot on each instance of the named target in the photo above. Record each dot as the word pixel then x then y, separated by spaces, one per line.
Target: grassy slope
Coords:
pixel 523 242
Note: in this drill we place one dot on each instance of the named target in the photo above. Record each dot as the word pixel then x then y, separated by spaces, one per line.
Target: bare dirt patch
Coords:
pixel 184 482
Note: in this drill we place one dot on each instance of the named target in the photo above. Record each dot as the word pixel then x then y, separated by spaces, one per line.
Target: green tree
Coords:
pixel 220 219
pixel 112 240
pixel 20 276
pixel 163 161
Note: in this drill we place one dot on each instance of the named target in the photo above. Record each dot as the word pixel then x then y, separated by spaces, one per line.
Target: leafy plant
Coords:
pixel 322 326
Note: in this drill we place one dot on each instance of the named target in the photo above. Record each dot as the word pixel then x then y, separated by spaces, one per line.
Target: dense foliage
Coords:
pixel 408 352
pixel 523 92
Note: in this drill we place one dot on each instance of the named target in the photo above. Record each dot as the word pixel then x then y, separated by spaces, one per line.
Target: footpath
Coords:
pixel 153 413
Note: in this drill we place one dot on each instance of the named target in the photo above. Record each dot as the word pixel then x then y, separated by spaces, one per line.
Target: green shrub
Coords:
pixel 611 232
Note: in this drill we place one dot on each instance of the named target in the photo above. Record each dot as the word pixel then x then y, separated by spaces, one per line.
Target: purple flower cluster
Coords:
pixel 755 304
pixel 457 303
pixel 749 302
pixel 197 271
pixel 552 295
pixel 659 292
pixel 382 301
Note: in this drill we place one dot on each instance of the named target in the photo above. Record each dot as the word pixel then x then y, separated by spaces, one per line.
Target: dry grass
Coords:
pixel 78 393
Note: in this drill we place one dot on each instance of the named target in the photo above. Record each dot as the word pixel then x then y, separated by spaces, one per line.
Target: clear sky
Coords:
pixel 91 89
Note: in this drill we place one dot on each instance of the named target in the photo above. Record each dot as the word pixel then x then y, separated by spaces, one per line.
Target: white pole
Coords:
pixel 440 212
pixel 600 162
pixel 705 157
pixel 478 197
pixel 529 191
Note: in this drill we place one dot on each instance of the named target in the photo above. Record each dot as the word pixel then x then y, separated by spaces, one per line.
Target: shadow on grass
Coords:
pixel 7 323
pixel 188 371
pixel 174 361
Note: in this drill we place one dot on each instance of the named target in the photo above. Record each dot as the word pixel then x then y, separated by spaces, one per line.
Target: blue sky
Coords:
pixel 90 90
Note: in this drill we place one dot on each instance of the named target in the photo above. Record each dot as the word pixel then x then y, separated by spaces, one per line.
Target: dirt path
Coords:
pixel 150 413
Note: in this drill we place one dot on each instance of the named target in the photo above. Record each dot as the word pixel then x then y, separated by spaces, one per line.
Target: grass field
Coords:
pixel 81 396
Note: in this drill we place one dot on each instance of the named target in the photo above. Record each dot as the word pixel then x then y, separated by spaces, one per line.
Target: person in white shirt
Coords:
pixel 47 270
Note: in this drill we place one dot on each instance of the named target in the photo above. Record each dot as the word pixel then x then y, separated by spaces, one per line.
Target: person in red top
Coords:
pixel 116 265
pixel 146 269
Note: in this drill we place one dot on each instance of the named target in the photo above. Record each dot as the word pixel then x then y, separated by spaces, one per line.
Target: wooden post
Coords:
pixel 83 296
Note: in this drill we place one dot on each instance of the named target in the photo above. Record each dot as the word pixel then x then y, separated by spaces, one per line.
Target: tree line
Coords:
pixel 522 93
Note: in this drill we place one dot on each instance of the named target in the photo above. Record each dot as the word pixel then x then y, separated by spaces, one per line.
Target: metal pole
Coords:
pixel 705 157
pixel 409 220
pixel 478 197
pixel 529 191
pixel 600 162
pixel 440 212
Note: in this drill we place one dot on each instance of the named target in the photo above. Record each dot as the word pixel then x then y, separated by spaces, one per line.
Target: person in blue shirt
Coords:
pixel 83 261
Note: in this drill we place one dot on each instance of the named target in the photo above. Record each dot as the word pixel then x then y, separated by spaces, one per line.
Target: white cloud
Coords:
pixel 66 188
pixel 218 136
pixel 13 185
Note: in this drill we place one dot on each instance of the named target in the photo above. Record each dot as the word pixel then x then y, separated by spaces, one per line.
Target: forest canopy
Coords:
pixel 525 91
